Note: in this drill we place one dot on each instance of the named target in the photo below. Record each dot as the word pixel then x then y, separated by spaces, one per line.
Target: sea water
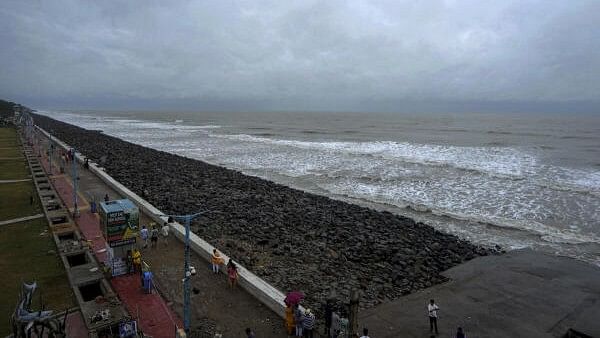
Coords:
pixel 514 180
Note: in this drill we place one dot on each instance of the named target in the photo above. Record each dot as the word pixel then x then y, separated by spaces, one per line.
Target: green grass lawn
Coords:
pixel 15 200
pixel 14 169
pixel 8 132
pixel 11 152
pixel 27 254
pixel 9 143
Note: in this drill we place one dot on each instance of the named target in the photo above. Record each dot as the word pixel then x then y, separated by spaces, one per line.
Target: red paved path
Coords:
pixel 155 317
pixel 75 326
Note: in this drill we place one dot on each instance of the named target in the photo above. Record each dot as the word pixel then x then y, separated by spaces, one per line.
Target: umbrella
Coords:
pixel 293 298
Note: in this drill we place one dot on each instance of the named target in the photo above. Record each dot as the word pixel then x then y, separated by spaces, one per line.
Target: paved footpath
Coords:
pixel 155 317
pixel 215 308
pixel 519 294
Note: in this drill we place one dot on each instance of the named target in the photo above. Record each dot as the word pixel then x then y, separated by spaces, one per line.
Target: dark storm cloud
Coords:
pixel 298 55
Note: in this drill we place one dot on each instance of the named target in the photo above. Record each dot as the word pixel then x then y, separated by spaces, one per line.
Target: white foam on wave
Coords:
pixel 504 162
pixel 420 200
pixel 506 188
pixel 494 160
pixel 140 125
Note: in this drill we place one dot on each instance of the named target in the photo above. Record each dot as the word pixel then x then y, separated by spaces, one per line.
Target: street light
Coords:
pixel 74 160
pixel 187 272
pixel 51 146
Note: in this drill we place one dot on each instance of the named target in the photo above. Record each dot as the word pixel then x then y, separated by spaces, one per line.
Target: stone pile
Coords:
pixel 293 239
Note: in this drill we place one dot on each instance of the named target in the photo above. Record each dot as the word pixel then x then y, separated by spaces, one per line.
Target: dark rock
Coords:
pixel 309 241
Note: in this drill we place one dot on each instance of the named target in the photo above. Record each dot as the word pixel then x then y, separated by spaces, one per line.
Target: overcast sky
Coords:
pixel 300 55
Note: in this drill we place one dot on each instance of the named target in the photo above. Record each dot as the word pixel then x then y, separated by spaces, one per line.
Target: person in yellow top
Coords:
pixel 216 260
pixel 137 260
pixel 290 324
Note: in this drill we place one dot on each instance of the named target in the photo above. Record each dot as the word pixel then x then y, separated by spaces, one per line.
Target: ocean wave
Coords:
pixel 495 161
pixel 492 160
pixel 543 231
pixel 138 124
pixel 499 162
pixel 591 187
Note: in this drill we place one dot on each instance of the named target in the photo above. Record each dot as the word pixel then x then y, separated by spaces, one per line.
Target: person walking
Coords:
pixel 216 261
pixel 165 234
pixel 289 319
pixel 365 333
pixel 328 312
pixel 298 319
pixel 137 260
pixel 335 325
pixel 106 198
pixel 344 324
pixel 432 310
pixel 460 333
pixel 154 237
pixel 308 324
pixel 129 262
pixel 232 273
pixel 144 236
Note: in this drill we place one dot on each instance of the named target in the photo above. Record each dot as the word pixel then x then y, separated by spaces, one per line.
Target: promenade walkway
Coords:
pixel 154 316
pixel 215 308
pixel 520 294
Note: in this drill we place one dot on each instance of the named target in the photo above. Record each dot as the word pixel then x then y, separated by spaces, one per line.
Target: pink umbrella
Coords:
pixel 293 298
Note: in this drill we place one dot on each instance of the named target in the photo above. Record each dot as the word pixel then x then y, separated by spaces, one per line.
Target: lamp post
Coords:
pixel 186 270
pixel 51 146
pixel 74 160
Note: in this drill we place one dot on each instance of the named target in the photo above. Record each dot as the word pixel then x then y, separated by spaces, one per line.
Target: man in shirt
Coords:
pixel 432 310
pixel 365 333
pixel 308 324
pixel 144 236
pixel 165 233
pixel 154 237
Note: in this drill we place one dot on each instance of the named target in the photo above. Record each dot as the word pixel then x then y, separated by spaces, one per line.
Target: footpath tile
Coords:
pixel 155 317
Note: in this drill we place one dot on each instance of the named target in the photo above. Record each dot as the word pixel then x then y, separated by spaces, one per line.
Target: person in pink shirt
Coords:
pixel 232 273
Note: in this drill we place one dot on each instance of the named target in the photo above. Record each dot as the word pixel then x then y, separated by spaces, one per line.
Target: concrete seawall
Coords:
pixel 254 285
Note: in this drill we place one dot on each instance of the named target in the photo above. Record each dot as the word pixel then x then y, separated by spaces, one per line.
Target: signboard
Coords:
pixel 128 329
pixel 119 266
pixel 120 219
pixel 121 242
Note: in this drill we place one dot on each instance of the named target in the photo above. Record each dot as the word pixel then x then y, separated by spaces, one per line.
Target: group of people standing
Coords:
pixel 232 271
pixel 153 235
pixel 302 323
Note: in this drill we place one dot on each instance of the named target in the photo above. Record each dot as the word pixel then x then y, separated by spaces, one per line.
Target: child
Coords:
pixel 154 237
pixel 216 261
pixel 232 273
